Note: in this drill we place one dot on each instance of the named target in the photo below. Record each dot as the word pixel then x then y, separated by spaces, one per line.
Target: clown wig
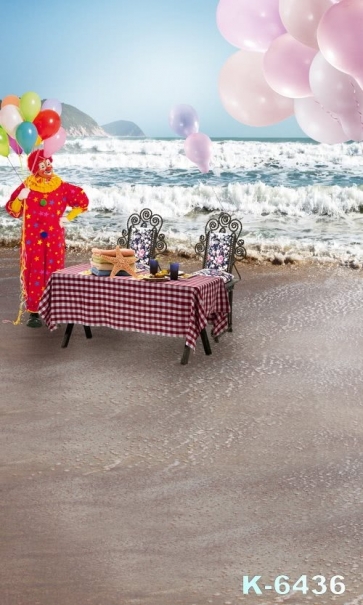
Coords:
pixel 34 159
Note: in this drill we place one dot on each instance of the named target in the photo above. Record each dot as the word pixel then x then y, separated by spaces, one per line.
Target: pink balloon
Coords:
pixel 198 149
pixel 249 24
pixel 245 94
pixel 301 18
pixel 339 93
pixel 340 37
pixel 286 66
pixel 317 123
pixel 54 143
pixel 15 146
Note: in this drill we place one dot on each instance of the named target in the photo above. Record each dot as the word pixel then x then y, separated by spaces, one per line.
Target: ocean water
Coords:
pixel 294 197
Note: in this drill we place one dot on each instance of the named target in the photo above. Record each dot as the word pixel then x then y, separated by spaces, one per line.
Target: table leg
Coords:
pixel 206 345
pixel 185 356
pixel 67 335
pixel 87 329
pixel 205 341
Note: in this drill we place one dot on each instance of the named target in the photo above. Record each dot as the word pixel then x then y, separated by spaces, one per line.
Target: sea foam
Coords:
pixel 293 197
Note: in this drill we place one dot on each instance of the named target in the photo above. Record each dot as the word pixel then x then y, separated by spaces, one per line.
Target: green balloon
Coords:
pixel 4 143
pixel 29 106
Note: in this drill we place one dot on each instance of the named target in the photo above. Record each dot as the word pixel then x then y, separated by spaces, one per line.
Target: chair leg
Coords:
pixel 230 298
pixel 67 335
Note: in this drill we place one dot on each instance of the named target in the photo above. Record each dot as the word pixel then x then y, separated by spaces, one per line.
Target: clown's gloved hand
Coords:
pixel 74 213
pixel 63 221
pixel 23 193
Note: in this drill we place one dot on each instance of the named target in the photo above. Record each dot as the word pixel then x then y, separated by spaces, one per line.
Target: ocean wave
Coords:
pixel 292 197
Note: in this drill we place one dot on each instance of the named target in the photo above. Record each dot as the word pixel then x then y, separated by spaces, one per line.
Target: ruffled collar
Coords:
pixel 37 183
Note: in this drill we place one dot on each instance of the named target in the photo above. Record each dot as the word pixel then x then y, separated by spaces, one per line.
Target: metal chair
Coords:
pixel 143 236
pixel 221 247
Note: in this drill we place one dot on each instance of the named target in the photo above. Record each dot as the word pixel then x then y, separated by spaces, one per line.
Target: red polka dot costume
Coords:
pixel 43 241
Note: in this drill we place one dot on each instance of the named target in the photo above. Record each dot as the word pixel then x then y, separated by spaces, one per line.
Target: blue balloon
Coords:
pixel 183 119
pixel 26 135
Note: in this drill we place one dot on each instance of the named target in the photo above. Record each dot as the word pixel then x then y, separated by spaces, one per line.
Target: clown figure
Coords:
pixel 41 201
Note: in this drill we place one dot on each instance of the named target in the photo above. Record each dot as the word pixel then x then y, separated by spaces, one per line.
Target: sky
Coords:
pixel 124 60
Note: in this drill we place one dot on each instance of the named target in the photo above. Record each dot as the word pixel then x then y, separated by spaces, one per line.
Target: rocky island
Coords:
pixel 78 124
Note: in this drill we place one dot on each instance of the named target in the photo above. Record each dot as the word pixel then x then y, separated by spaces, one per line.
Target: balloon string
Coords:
pixel 215 193
pixel 357 102
pixel 22 270
pixel 22 258
pixel 15 170
pixel 218 198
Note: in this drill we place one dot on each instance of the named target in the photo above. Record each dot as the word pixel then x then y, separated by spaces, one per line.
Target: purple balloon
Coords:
pixel 198 149
pixel 53 104
pixel 15 146
pixel 183 120
pixel 250 24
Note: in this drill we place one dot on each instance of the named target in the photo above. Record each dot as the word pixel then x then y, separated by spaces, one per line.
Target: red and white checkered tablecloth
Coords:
pixel 171 308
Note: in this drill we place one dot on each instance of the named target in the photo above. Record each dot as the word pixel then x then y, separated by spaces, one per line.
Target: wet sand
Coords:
pixel 127 478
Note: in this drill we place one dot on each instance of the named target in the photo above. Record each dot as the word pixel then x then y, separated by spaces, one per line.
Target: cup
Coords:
pixel 174 270
pixel 154 266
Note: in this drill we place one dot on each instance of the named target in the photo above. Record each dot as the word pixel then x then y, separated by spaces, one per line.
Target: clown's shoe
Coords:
pixel 34 321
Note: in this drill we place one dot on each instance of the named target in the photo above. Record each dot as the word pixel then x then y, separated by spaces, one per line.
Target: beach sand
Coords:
pixel 128 478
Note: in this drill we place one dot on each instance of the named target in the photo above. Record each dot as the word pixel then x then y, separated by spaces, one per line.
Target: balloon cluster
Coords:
pixel 183 120
pixel 296 57
pixel 26 123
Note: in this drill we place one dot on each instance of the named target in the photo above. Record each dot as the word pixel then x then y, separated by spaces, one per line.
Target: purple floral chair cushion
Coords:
pixel 227 277
pixel 219 251
pixel 141 240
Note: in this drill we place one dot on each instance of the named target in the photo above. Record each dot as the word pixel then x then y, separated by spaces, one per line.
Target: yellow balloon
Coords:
pixel 39 141
pixel 4 143
pixel 29 106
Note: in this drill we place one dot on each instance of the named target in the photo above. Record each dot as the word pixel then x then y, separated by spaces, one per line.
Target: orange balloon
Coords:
pixel 10 100
pixel 39 141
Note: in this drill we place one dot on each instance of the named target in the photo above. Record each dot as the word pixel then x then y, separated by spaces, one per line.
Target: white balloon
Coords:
pixel 339 93
pixel 318 123
pixel 246 95
pixel 10 119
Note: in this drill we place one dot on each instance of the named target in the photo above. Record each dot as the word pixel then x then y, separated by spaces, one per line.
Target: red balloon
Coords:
pixel 47 123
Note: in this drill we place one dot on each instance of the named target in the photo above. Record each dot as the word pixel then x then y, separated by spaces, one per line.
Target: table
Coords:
pixel 180 308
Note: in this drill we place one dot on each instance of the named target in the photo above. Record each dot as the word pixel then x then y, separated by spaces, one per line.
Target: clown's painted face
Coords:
pixel 45 169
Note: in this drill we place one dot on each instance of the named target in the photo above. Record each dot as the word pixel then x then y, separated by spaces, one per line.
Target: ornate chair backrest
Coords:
pixel 221 245
pixel 143 236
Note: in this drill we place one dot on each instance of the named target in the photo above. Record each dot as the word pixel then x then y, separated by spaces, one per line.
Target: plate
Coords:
pixel 152 278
